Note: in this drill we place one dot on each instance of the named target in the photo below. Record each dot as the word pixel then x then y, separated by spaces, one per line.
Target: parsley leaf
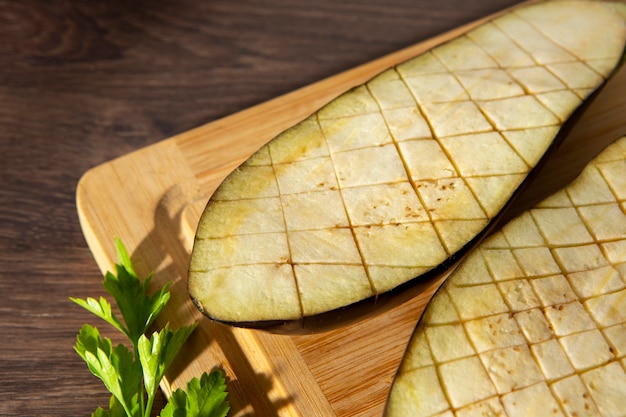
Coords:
pixel 204 397
pixel 138 309
pixel 116 367
pixel 115 410
pixel 157 353
pixel 133 377
pixel 101 308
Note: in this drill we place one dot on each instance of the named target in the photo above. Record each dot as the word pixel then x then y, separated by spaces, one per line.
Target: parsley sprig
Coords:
pixel 133 377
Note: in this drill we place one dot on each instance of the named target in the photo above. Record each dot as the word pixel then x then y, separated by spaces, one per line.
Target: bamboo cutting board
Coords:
pixel 152 199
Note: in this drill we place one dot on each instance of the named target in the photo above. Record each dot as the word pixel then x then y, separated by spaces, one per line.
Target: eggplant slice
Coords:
pixel 533 323
pixel 391 181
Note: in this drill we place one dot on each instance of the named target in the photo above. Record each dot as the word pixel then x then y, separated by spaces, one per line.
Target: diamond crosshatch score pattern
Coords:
pixel 534 321
pixel 391 178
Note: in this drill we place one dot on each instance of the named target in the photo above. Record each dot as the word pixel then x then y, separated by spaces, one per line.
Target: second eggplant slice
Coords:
pixel 533 323
pixel 391 179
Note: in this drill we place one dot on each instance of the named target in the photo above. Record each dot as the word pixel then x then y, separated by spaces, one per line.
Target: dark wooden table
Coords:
pixel 82 82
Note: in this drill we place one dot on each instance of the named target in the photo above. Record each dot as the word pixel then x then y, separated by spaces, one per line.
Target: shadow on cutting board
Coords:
pixel 165 252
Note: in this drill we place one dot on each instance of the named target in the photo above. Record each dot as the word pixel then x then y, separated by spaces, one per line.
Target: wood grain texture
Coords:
pixel 346 372
pixel 82 83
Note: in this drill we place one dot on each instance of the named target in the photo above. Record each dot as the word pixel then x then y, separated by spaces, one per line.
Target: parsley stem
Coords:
pixel 141 390
pixel 148 410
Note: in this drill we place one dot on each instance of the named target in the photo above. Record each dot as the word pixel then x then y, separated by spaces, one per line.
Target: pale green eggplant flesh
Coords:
pixel 393 179
pixel 533 323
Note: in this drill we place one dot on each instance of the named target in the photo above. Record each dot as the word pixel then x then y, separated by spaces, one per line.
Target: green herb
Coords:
pixel 133 377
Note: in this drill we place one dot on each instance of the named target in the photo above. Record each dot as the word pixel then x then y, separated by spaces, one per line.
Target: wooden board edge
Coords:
pixel 264 360
pixel 299 103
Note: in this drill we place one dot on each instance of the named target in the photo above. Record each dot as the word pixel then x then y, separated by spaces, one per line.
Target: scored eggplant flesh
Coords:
pixel 392 179
pixel 533 322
